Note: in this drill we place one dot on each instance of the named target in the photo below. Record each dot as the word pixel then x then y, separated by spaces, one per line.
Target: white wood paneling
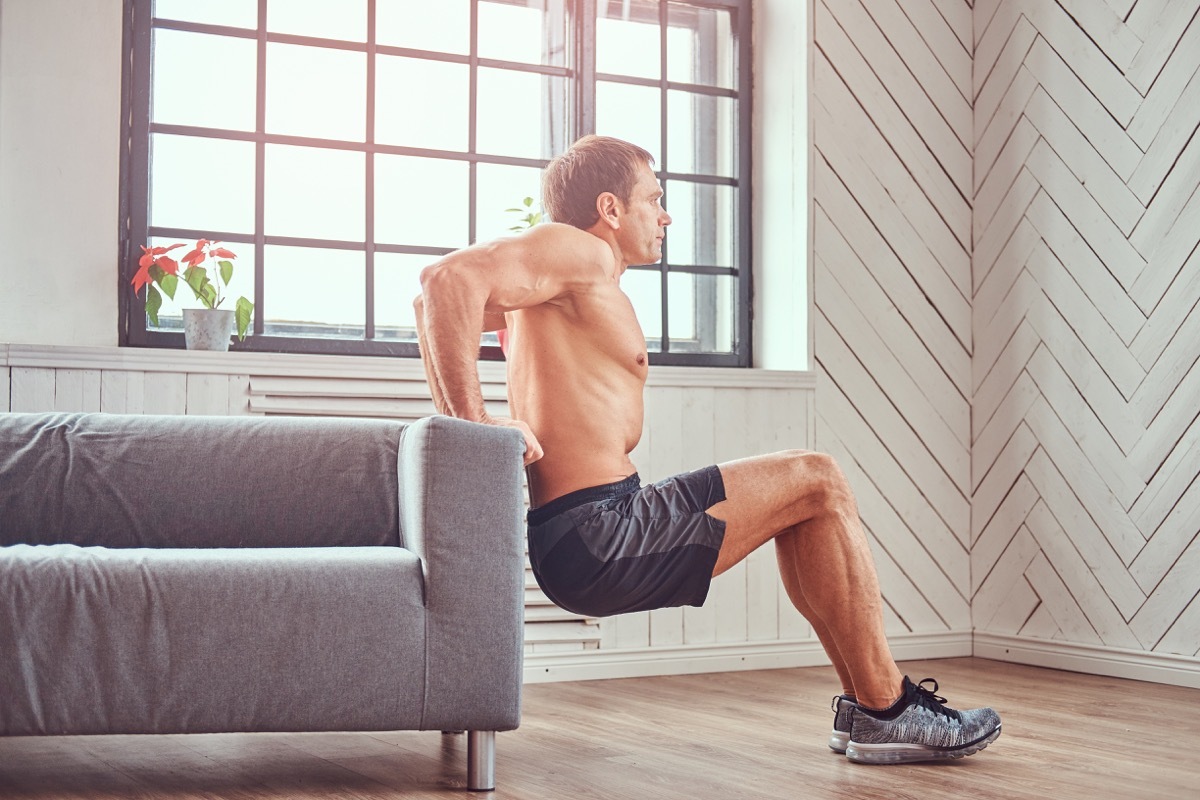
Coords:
pixel 1092 533
pixel 1070 436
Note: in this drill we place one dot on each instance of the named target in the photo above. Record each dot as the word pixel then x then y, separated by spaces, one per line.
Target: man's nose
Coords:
pixel 666 219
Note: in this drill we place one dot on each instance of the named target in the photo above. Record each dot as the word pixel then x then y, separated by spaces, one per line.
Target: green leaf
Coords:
pixel 208 294
pixel 196 278
pixel 242 312
pixel 226 271
pixel 157 273
pixel 528 202
pixel 153 304
pixel 169 283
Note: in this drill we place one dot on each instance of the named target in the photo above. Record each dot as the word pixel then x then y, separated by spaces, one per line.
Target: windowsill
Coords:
pixel 147 359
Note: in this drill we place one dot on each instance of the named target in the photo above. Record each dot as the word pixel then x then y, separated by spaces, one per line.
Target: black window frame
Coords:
pixel 582 78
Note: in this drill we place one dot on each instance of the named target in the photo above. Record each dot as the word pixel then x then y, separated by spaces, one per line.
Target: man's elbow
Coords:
pixel 453 281
pixel 440 277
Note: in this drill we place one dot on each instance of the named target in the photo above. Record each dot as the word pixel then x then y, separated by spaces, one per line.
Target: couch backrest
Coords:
pixel 180 481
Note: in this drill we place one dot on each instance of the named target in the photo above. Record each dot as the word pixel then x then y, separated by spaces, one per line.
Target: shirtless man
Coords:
pixel 600 543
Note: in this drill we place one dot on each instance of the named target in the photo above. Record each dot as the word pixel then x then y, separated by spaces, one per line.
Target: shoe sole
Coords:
pixel 897 753
pixel 839 741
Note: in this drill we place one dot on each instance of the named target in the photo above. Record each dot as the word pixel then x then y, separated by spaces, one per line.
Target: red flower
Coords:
pixel 150 257
pixel 196 257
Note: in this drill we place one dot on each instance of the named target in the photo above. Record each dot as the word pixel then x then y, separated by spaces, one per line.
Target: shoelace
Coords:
pixel 929 699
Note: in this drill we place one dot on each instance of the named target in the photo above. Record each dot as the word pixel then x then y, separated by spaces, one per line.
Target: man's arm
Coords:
pixel 468 290
pixel 431 377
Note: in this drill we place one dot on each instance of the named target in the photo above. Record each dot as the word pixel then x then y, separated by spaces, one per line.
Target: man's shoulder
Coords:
pixel 567 251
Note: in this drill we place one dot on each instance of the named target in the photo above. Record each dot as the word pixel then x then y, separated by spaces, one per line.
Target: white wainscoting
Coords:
pixel 694 417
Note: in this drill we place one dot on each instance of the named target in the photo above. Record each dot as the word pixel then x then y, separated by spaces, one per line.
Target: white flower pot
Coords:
pixel 207 328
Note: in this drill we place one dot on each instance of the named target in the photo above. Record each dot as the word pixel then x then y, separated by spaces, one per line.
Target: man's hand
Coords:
pixel 533 449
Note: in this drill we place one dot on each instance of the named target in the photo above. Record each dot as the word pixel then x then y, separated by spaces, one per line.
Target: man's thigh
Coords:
pixel 766 495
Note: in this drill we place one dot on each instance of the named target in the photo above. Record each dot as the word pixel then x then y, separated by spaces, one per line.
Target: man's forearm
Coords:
pixel 431 376
pixel 448 323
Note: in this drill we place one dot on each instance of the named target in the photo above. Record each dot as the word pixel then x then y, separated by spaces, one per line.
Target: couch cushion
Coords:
pixel 171 481
pixel 96 640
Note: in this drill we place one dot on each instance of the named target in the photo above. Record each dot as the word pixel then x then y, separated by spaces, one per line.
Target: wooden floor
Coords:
pixel 732 735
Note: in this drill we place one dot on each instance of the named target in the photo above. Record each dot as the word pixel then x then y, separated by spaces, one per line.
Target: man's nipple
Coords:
pixel 641 359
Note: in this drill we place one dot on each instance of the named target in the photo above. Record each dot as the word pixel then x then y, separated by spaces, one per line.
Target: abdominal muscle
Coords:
pixel 578 385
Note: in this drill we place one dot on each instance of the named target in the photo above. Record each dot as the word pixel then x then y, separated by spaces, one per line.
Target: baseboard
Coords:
pixel 732 657
pixel 1093 660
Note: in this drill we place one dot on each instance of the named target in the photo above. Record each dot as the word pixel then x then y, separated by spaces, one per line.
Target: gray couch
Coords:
pixel 207 574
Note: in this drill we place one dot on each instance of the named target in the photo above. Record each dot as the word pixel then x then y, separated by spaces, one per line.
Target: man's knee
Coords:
pixel 821 473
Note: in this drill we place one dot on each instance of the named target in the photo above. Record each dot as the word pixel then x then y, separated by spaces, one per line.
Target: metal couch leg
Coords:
pixel 481 761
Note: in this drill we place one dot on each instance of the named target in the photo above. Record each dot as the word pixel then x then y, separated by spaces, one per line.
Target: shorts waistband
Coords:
pixel 592 494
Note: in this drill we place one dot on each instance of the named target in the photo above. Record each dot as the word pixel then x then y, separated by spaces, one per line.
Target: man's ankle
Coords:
pixel 882 702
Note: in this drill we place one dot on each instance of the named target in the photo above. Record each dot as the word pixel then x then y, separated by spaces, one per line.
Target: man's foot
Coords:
pixel 843 704
pixel 918 727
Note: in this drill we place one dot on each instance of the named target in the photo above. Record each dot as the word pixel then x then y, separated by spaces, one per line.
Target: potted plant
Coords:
pixel 205 328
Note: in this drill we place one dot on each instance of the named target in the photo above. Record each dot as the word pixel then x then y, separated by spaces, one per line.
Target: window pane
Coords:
pixel 234 13
pixel 703 223
pixel 520 114
pixel 421 103
pixel 701 134
pixel 628 40
pixel 632 113
pixel 315 193
pixel 421 201
pixel 327 19
pixel 182 92
pixel 700 45
pixel 322 291
pixel 703 312
pixel 501 187
pixel 533 32
pixel 397 283
pixel 444 26
pixel 644 288
pixel 205 184
pixel 315 91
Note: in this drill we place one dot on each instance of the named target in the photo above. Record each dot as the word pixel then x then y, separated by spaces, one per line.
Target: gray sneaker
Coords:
pixel 918 727
pixel 840 737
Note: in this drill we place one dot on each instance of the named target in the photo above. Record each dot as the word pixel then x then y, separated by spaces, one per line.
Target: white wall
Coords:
pixel 60 100
pixel 892 329
pixel 1006 332
pixel 1086 452
pixel 781 181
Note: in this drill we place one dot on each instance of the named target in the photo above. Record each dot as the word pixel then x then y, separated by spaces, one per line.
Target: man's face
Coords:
pixel 644 222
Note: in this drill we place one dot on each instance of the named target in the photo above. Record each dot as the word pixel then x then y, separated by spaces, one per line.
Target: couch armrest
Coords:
pixel 461 512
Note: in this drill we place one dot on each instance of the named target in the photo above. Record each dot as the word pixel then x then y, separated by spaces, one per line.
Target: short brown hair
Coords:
pixel 590 167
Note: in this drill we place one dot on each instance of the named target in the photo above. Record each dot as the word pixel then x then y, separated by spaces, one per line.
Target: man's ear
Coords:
pixel 609 209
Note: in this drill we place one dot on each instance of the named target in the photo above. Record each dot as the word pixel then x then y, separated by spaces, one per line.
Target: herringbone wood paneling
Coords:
pixel 1086 277
pixel 1043 463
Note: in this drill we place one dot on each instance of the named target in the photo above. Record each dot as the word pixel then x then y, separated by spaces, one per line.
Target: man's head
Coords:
pixel 590 167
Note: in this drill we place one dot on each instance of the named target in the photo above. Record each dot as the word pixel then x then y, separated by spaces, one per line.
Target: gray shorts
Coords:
pixel 624 547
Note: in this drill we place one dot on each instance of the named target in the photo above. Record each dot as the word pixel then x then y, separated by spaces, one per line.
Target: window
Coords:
pixel 338 147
